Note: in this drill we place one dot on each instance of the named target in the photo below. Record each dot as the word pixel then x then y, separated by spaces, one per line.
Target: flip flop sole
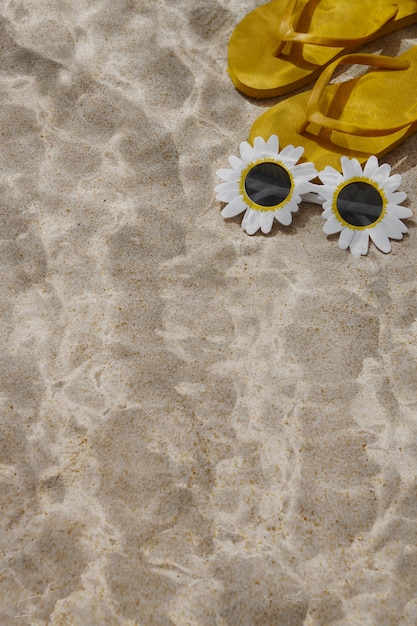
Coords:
pixel 257 72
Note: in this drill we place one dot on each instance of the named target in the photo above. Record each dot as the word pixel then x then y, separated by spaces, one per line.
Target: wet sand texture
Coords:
pixel 198 427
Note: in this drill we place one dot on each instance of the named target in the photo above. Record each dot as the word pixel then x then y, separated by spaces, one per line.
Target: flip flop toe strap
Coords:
pixel 286 32
pixel 314 115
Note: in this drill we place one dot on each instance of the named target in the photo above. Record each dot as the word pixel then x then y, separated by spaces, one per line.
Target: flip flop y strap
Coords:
pixel 286 32
pixel 314 115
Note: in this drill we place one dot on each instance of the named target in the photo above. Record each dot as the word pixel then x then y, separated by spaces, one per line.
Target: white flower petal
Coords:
pixel 327 213
pixel 365 242
pixel 393 226
pixel 305 175
pixel 228 195
pixel 356 167
pixel 347 167
pixel 332 226
pixel 305 170
pixel 235 162
pixel 246 151
pixel 293 204
pixel 345 238
pixel 226 187
pixel 253 228
pixel 392 183
pixel 267 219
pixel 228 175
pixel 234 208
pixel 380 238
pixel 287 150
pixel 246 217
pixel 258 145
pixel 382 173
pixel 402 212
pixel 331 177
pixel 272 145
pixel 253 222
pixel 284 216
pixel 291 155
pixel 371 166
pixel 390 232
pixel 360 243
pixel 397 197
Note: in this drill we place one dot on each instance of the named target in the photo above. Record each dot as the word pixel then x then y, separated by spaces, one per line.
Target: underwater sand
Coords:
pixel 198 427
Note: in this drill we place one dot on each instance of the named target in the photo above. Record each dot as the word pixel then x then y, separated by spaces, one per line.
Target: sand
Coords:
pixel 198 427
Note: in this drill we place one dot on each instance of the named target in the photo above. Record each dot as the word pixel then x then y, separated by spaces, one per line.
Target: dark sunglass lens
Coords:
pixel 359 204
pixel 267 184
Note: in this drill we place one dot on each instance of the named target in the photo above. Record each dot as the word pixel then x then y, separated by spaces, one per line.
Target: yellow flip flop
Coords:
pixel 364 116
pixel 268 58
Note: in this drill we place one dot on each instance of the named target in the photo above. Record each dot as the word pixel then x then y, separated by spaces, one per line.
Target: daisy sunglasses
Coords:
pixel 360 203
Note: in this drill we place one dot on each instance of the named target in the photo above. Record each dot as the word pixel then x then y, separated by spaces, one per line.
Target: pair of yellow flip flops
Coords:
pixel 284 45
pixel 364 116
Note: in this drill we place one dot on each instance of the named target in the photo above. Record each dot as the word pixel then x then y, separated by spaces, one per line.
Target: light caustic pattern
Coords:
pixel 197 427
